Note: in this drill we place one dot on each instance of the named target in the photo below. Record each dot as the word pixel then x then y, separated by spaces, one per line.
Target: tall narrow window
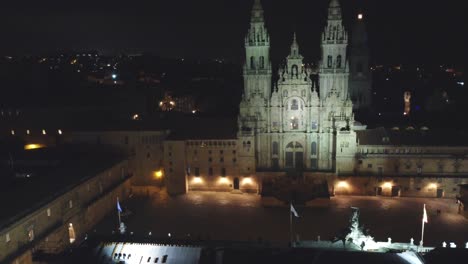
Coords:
pixel 330 61
pixel 223 172
pixel 252 63
pixel 275 148
pixel 313 148
pixel 338 61
pixel 262 62
pixel 210 171
pixel 197 171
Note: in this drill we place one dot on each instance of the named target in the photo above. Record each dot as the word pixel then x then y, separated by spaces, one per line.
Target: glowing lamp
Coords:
pixel 59 132
pixel 247 180
pixel 360 16
pixel 12 132
pixel 33 146
pixel 223 180
pixel 28 132
pixel 43 132
pixel 387 185
pixel 114 76
pixel 197 180
pixel 342 184
pixel 158 174
pixel 432 185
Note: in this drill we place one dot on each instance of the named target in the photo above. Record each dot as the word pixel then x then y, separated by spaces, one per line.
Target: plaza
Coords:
pixel 241 217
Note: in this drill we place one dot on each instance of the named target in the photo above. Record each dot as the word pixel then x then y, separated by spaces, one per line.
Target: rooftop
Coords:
pixel 34 178
pixel 411 136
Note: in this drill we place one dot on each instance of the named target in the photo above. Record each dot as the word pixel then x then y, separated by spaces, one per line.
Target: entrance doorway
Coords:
pixel 378 190
pixel 440 193
pixel 395 191
pixel 236 183
pixel 294 155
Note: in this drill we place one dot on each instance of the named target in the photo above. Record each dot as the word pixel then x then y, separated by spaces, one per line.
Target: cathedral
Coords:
pixel 295 124
pixel 291 127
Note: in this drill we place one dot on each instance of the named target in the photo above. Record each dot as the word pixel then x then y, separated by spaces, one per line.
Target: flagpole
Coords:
pixel 290 223
pixel 422 229
pixel 118 212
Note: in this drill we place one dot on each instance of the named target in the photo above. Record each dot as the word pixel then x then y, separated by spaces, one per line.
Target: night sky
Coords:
pixel 411 31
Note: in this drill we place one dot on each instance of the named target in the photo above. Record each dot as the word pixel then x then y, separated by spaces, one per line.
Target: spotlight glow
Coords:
pixel 342 184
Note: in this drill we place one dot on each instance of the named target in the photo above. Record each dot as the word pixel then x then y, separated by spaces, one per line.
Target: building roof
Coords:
pixel 52 172
pixel 148 253
pixel 411 136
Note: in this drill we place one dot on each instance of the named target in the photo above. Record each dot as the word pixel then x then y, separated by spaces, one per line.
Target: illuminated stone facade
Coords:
pixel 293 125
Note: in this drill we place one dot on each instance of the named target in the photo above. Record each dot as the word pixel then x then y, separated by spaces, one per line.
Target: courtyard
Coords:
pixel 241 217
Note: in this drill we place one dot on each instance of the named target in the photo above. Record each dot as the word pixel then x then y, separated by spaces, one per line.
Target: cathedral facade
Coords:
pixel 294 127
pixel 293 124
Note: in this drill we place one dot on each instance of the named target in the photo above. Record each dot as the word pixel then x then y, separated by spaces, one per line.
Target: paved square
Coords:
pixel 226 216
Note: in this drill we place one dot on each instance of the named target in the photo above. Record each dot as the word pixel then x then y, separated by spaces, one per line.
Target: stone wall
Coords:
pixel 47 228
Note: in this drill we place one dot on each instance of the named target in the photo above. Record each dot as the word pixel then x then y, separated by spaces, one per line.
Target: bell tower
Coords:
pixel 334 68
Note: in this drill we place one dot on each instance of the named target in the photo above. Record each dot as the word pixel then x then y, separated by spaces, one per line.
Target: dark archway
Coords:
pixel 236 183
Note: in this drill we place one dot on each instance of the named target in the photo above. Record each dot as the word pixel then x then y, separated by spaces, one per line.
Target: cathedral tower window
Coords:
pixel 294 70
pixel 294 105
pixel 338 61
pixel 252 63
pixel 262 62
pixel 330 61
pixel 294 123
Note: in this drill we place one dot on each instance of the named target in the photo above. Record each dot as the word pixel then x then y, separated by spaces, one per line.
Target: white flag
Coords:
pixel 294 211
pixel 425 215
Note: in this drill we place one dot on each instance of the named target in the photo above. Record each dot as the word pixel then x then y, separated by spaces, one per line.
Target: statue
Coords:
pixel 122 228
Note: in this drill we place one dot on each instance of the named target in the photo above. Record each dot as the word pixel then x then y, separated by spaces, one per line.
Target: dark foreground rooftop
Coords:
pixel 30 179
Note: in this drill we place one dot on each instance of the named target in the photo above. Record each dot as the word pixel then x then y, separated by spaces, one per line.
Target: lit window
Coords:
pixel 70 204
pixel 7 237
pixel 48 212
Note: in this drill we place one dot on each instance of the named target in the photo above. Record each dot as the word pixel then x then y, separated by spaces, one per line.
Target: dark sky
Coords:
pixel 399 30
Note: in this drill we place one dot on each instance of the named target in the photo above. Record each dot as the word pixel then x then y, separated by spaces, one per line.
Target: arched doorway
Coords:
pixel 294 155
pixel 236 183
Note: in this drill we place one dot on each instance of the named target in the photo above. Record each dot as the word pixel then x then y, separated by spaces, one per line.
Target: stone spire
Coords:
pixel 294 47
pixel 334 10
pixel 257 12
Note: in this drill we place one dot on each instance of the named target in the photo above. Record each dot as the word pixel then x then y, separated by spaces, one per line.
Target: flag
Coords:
pixel 294 211
pixel 118 206
pixel 425 215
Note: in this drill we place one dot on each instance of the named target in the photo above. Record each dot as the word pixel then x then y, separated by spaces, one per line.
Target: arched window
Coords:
pixel 294 105
pixel 338 61
pixel 294 70
pixel 262 62
pixel 294 123
pixel 252 62
pixel 275 148
pixel 313 148
pixel 330 61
